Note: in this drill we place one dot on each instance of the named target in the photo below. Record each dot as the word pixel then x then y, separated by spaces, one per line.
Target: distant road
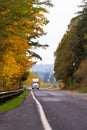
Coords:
pixel 64 110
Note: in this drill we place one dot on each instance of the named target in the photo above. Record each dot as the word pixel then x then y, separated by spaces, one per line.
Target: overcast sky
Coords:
pixel 59 17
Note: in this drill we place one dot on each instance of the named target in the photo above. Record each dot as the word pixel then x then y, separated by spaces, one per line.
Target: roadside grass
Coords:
pixel 83 90
pixel 50 86
pixel 46 85
pixel 14 102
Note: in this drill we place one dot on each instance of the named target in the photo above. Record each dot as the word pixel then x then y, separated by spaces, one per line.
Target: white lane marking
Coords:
pixel 44 120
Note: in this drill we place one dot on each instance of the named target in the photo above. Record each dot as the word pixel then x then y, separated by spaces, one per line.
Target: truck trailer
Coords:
pixel 35 83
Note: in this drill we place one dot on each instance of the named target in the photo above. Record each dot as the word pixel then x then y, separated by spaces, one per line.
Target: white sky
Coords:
pixel 59 17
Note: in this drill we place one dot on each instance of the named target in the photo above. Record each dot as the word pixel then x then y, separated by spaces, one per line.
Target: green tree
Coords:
pixel 65 55
pixel 82 27
pixel 72 49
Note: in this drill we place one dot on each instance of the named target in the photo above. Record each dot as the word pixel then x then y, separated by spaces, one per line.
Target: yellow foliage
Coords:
pixel 18 43
pixel 27 22
pixel 15 23
pixel 11 67
pixel 20 22
pixel 4 12
pixel 62 85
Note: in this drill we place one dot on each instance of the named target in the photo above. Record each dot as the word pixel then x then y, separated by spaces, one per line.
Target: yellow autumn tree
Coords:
pixel 20 22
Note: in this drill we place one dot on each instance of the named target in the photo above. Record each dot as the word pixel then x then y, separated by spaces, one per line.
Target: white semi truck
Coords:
pixel 35 83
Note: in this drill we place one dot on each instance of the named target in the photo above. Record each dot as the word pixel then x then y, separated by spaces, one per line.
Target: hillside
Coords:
pixel 44 71
pixel 43 68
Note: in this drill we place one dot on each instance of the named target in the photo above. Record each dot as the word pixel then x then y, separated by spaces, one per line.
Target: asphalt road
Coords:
pixel 24 117
pixel 63 110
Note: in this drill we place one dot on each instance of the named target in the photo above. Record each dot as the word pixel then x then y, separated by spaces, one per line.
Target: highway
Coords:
pixel 48 110
pixel 64 110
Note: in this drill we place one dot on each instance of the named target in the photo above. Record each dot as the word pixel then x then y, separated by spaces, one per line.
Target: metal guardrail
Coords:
pixel 8 95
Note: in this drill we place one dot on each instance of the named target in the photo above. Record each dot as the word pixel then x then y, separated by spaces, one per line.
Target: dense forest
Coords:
pixel 71 54
pixel 21 23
